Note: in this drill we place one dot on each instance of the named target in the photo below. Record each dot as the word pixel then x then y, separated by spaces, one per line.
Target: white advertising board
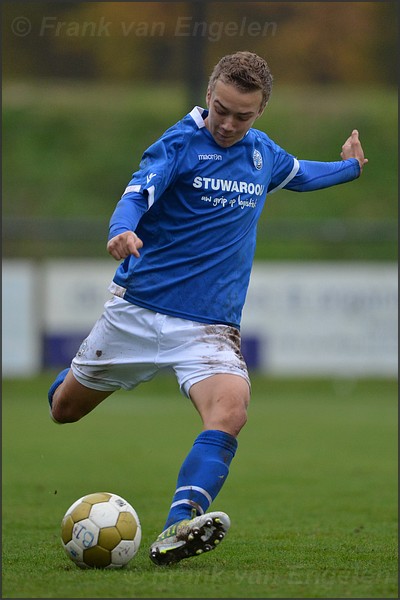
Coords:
pixel 308 319
pixel 21 321
pixel 324 318
pixel 75 293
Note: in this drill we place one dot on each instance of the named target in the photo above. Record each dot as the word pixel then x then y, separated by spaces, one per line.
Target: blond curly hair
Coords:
pixel 245 70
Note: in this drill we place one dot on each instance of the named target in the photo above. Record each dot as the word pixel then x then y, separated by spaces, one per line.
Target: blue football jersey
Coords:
pixel 195 205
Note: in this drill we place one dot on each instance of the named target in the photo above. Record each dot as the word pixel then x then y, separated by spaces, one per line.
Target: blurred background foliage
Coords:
pixel 87 86
pixel 316 42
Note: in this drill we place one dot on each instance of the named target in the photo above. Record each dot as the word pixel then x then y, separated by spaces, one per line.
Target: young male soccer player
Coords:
pixel 185 231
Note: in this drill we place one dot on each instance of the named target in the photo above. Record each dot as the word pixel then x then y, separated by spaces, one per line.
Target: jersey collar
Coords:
pixel 198 115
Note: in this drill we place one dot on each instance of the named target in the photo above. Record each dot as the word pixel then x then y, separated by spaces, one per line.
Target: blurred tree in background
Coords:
pixel 303 41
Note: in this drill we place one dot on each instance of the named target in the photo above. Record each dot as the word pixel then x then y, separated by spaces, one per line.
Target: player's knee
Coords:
pixel 240 412
pixel 238 419
pixel 231 413
pixel 63 411
pixel 233 422
pixel 62 416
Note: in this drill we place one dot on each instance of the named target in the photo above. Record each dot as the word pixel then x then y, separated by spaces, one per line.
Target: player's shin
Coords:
pixel 202 474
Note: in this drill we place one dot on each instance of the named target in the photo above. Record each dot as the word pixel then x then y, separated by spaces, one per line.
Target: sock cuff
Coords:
pixel 218 438
pixel 58 381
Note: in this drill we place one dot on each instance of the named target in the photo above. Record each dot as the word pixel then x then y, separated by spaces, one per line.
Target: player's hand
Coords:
pixel 352 149
pixel 124 244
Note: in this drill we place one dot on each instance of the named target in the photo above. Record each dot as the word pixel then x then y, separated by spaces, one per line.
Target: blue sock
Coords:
pixel 202 474
pixel 58 381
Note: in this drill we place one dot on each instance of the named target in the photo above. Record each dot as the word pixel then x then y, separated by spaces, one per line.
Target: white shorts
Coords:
pixel 129 345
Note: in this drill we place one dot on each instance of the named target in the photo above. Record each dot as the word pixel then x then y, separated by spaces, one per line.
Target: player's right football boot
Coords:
pixel 190 537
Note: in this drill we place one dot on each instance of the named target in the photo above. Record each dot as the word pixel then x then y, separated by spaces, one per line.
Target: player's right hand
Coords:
pixel 124 244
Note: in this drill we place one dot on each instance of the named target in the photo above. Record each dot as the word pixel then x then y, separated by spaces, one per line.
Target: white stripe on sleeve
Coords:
pixel 131 188
pixel 150 192
pixel 293 172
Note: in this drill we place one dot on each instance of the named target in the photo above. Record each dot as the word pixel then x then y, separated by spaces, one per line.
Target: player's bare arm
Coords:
pixel 352 149
pixel 124 244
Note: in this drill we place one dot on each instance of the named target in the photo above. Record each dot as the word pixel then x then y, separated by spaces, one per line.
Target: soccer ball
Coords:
pixel 102 531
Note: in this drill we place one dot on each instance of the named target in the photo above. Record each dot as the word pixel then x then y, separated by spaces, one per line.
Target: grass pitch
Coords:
pixel 312 492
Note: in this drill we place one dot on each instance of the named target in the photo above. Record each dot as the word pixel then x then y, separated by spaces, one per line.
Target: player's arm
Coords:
pixel 313 175
pixel 157 170
pixel 122 239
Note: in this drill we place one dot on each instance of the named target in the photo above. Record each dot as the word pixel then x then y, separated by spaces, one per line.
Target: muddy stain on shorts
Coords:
pixel 223 338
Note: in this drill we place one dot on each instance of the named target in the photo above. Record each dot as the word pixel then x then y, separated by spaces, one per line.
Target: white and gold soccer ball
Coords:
pixel 102 531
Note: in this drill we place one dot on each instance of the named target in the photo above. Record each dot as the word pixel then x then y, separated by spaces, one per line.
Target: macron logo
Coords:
pixel 210 156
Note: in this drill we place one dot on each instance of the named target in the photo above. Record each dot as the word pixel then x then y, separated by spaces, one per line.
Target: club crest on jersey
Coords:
pixel 257 160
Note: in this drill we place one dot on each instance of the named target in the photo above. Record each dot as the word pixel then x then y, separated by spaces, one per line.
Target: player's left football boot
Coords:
pixel 190 537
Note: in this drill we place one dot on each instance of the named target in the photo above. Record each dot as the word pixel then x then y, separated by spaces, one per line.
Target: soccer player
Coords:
pixel 185 231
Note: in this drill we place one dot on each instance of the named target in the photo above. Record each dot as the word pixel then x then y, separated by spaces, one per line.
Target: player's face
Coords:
pixel 231 112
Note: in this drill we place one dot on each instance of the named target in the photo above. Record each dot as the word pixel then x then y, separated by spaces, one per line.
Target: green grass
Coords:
pixel 312 492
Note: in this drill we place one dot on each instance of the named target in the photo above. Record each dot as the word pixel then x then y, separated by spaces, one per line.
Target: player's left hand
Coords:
pixel 352 149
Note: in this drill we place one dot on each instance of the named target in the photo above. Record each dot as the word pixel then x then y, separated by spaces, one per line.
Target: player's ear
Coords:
pixel 208 97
